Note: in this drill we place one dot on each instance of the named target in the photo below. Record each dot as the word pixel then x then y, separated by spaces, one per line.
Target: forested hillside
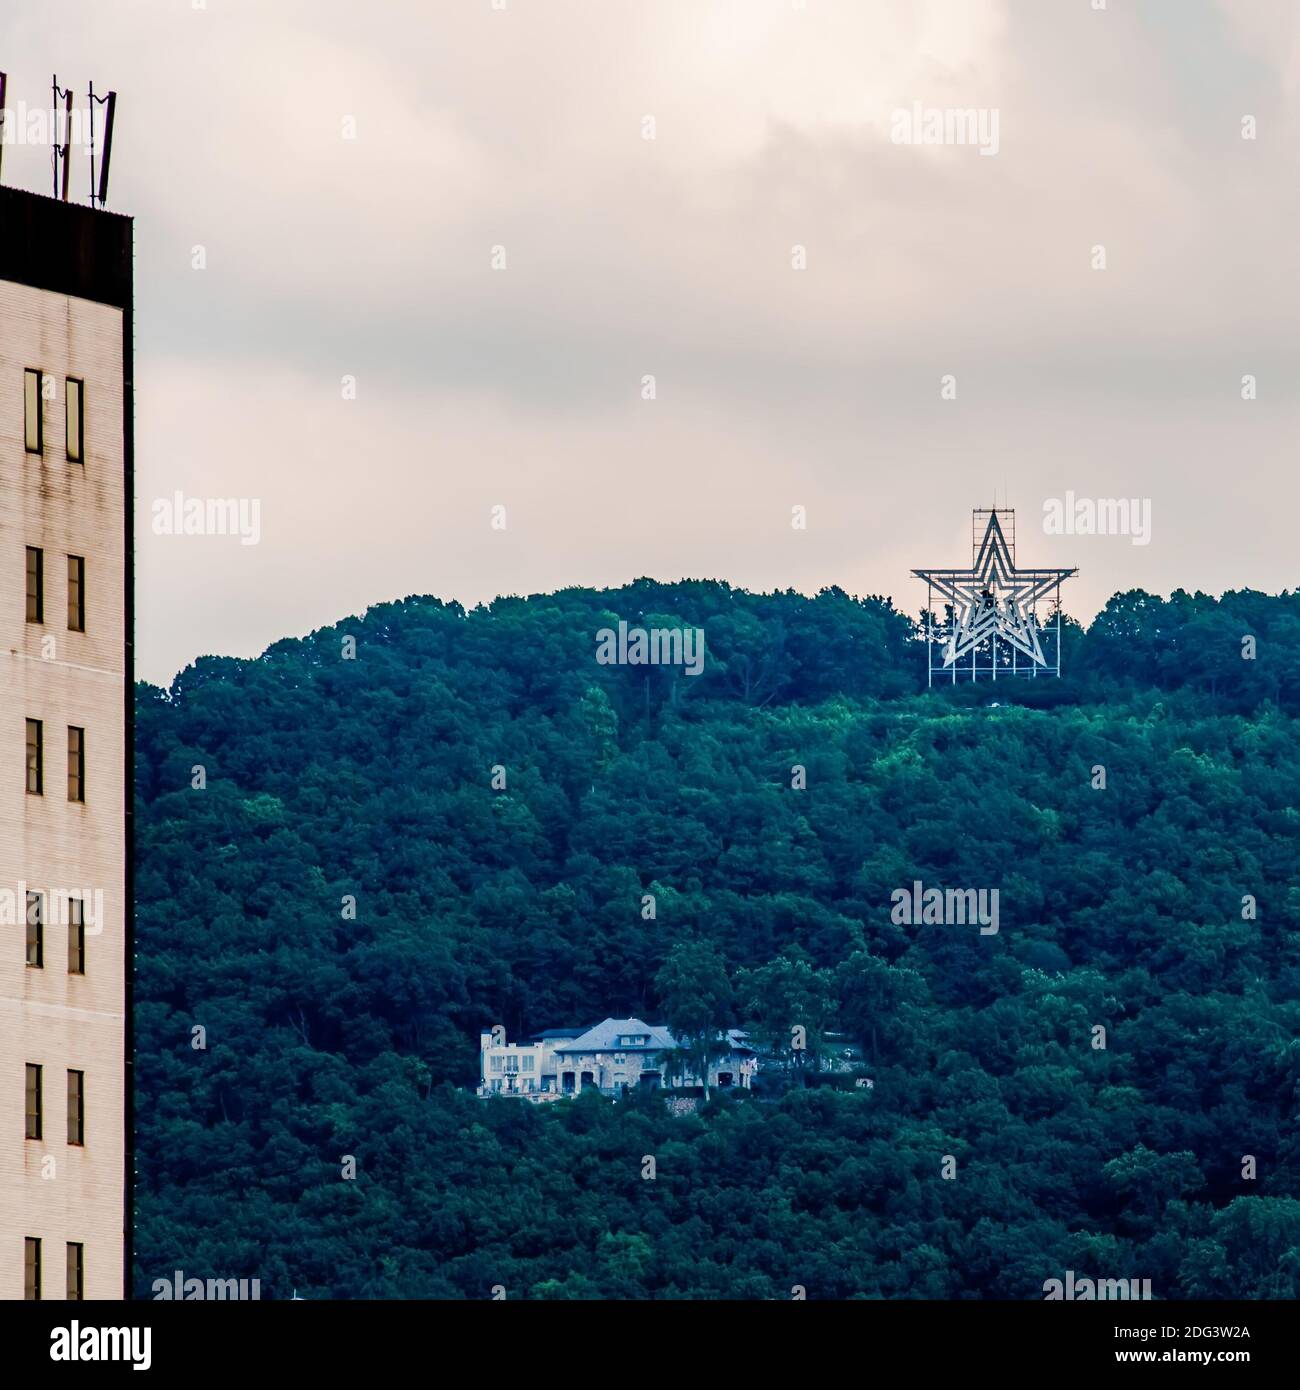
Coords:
pixel 1162 907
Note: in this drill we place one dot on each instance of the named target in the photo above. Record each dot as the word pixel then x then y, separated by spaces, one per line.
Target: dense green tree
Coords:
pixel 698 1003
pixel 790 1006
pixel 474 822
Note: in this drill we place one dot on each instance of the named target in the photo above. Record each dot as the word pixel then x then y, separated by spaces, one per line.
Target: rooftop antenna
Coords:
pixel 4 82
pixel 100 193
pixel 61 185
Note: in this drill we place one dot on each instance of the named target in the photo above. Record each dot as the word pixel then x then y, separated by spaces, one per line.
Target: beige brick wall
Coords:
pixel 48 843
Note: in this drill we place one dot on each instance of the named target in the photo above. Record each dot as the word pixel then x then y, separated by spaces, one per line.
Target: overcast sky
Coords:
pixel 524 127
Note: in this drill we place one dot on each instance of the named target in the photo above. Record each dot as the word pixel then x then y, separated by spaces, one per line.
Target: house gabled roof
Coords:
pixel 604 1037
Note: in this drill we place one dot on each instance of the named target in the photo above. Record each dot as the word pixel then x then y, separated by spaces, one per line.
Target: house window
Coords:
pixel 619 1059
pixel 35 931
pixel 35 585
pixel 76 1282
pixel 35 758
pixel 496 1063
pixel 529 1061
pixel 76 763
pixel 76 1107
pixel 32 1268
pixel 32 410
pixel 76 936
pixel 34 1105
pixel 512 1063
pixel 76 593
pixel 76 418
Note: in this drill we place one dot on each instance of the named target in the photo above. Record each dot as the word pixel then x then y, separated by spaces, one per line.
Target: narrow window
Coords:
pixel 35 757
pixel 76 594
pixel 35 931
pixel 76 418
pixel 34 1105
pixel 76 763
pixel 32 1268
pixel 32 410
pixel 76 1107
pixel 35 585
pixel 76 937
pixel 76 1290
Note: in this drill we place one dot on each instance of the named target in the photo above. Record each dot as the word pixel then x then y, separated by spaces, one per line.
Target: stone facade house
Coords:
pixel 612 1057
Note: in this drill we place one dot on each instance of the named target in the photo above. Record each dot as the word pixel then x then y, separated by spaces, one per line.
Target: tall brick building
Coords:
pixel 65 726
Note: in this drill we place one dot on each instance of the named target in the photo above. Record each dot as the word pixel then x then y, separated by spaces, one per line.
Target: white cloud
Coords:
pixel 523 128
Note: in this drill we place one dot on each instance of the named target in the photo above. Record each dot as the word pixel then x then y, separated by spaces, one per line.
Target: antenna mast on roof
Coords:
pixel 61 185
pixel 4 82
pixel 100 194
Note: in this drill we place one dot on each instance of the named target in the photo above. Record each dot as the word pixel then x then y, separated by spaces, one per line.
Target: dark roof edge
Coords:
pixel 65 248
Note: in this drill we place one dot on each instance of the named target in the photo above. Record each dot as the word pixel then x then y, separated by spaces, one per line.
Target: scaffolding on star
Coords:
pixel 985 622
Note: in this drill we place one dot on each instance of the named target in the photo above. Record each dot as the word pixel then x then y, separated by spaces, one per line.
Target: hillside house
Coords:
pixel 612 1057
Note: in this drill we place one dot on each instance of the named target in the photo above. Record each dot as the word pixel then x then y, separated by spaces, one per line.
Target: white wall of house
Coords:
pixel 611 1071
pixel 514 1068
pixel 544 1069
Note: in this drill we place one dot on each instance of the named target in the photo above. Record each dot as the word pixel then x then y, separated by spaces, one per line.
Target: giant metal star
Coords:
pixel 993 598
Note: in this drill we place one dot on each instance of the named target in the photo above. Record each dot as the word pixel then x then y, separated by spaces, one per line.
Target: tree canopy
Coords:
pixel 345 868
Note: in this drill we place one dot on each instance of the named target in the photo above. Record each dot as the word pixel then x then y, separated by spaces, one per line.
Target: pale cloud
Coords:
pixel 522 128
